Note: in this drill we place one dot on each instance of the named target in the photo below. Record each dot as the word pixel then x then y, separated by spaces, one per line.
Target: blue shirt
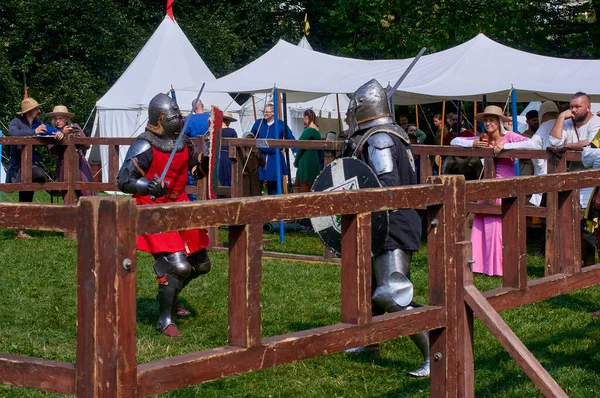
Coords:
pixel 262 130
pixel 198 125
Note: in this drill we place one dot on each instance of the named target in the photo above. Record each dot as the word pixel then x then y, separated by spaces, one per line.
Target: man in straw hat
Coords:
pixel 26 124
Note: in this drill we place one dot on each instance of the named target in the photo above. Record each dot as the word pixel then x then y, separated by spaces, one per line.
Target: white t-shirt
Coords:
pixel 586 132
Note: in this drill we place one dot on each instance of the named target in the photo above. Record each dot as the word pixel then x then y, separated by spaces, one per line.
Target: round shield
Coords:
pixel 347 174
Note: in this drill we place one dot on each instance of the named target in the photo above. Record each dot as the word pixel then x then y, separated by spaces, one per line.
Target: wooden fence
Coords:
pixel 106 360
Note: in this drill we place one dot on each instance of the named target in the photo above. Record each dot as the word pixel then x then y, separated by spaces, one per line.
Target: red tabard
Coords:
pixel 189 241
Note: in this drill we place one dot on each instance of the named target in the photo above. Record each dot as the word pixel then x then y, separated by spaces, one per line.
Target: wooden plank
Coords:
pixel 514 243
pixel 177 372
pixel 237 176
pixel 113 162
pixel 106 353
pixel 553 232
pixel 26 163
pixel 33 186
pixel 245 275
pixel 485 312
pixel 494 209
pixel 41 374
pixel 542 289
pixel 153 218
pixel 38 217
pixel 465 333
pixel 570 224
pixel 245 142
pixel 356 268
pixel 71 171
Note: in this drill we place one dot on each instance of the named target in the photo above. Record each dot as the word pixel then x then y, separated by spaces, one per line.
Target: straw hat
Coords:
pixel 227 115
pixel 60 110
pixel 492 110
pixel 27 105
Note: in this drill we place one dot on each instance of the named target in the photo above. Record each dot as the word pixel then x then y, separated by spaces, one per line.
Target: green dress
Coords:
pixel 307 160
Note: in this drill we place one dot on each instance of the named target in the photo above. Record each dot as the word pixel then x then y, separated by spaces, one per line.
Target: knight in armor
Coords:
pixel 180 256
pixel 385 147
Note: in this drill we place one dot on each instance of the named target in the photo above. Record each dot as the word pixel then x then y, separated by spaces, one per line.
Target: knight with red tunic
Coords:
pixel 180 255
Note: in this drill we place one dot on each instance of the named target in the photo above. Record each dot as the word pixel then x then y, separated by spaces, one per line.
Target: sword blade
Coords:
pixel 179 139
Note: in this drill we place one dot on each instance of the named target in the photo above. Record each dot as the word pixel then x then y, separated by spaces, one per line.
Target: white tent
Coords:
pixel 167 60
pixel 479 66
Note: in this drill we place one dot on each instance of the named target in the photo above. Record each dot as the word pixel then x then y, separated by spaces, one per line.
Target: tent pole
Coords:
pixel 442 135
pixel 513 109
pixel 417 115
pixel 459 121
pixel 337 100
pixel 474 113
pixel 254 107
pixel 287 188
pixel 278 154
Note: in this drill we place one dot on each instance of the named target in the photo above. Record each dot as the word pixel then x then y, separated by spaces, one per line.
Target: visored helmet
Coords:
pixel 164 116
pixel 368 107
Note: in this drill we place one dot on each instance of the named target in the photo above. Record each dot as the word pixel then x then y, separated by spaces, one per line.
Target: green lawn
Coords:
pixel 38 316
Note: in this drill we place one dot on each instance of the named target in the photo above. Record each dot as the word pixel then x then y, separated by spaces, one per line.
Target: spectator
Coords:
pixel 307 160
pixel 575 129
pixel 252 161
pixel 486 235
pixel 61 120
pixel 403 121
pixel 533 123
pixel 265 129
pixel 441 128
pixel 224 161
pixel 508 123
pixel 197 126
pixel 26 124
pixel 460 131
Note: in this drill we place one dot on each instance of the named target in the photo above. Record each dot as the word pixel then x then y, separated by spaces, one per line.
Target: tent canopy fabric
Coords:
pixel 465 72
pixel 167 60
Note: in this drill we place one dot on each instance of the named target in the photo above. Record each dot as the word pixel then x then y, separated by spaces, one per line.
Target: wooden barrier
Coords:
pixel 106 360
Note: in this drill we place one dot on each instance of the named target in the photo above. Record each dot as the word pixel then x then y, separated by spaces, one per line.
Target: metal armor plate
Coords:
pixel 347 174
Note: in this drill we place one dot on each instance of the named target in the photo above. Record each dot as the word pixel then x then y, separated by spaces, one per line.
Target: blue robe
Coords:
pixel 198 125
pixel 269 171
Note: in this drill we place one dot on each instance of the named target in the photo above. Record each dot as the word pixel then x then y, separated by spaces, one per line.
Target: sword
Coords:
pixel 392 90
pixel 179 139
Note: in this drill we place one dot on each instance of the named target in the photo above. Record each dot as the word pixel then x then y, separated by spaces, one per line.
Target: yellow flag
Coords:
pixel 306 25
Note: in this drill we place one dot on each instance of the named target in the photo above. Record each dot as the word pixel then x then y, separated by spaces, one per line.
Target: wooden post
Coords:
pixel 514 243
pixel 553 233
pixel 245 273
pixel 237 175
pixel 113 162
pixel 71 169
pixel 445 283
pixel 569 220
pixel 356 268
pixel 106 298
pixel 26 163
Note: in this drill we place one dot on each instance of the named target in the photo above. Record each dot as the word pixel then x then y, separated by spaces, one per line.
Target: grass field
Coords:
pixel 38 318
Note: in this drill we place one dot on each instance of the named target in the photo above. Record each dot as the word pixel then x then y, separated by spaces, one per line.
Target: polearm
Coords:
pixel 391 92
pixel 179 139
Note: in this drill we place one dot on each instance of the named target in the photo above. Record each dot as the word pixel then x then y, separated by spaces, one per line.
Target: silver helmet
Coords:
pixel 164 116
pixel 368 107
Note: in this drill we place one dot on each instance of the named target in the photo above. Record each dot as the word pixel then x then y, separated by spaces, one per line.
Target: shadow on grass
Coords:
pixel 9 234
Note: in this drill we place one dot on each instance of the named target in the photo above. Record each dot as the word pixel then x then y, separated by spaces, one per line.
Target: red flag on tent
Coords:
pixel 170 9
pixel 25 96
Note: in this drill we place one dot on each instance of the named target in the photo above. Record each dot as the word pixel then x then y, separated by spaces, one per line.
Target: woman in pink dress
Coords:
pixel 486 236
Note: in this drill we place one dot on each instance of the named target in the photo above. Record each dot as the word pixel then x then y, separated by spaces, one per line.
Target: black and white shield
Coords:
pixel 348 174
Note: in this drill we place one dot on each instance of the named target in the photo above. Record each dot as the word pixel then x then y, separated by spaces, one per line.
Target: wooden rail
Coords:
pixel 106 358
